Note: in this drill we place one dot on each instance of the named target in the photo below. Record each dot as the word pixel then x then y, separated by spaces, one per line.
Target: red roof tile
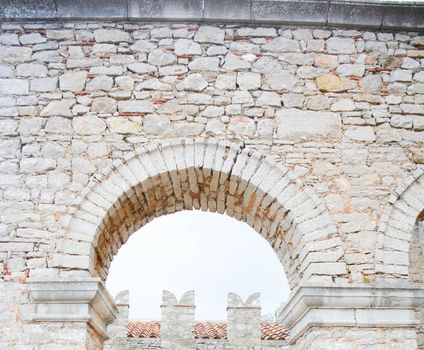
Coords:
pixel 204 330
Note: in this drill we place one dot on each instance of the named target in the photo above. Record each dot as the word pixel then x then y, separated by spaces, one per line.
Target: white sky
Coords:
pixel 211 253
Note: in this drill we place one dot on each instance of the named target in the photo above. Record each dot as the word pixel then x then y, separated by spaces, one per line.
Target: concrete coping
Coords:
pixel 382 15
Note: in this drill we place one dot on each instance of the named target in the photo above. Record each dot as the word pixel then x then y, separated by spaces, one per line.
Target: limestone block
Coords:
pixel 32 38
pixel 333 83
pixel 297 124
pixel 73 81
pixel 141 68
pixel 156 124
pixel 343 104
pixel 143 46
pixel 13 86
pixel 122 125
pixel 43 84
pixel 11 54
pixel 361 133
pixel 268 99
pixel 187 47
pixel 60 34
pixel 248 81
pixel 204 64
pixel 58 125
pixel 314 103
pixel 88 125
pixel 135 106
pixel 58 108
pixel 160 57
pixel 341 46
pixel 351 70
pixel 233 62
pixel 104 105
pixel 111 36
pixel 100 83
pixel 193 82
pixel 226 82
pixel 31 70
pixel 243 97
pixel 242 126
pixel 281 44
pixel 209 34
pixel 186 129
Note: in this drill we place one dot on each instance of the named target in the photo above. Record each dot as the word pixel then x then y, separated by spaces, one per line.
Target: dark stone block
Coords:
pixel 165 9
pixel 293 12
pixel 355 14
pixel 224 10
pixel 96 9
pixel 33 9
pixel 404 17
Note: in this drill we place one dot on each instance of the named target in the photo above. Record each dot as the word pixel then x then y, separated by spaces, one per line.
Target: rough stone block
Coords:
pixel 296 124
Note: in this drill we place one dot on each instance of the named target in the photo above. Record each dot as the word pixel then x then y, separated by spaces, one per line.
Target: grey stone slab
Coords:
pixel 165 9
pixel 355 14
pixel 104 9
pixel 35 9
pixel 402 17
pixel 224 10
pixel 296 12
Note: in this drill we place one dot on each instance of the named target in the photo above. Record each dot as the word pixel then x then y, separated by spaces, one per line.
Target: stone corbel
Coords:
pixel 83 300
pixel 350 306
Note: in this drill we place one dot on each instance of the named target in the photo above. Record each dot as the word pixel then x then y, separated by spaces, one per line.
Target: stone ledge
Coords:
pixel 350 306
pixel 84 300
pixel 333 13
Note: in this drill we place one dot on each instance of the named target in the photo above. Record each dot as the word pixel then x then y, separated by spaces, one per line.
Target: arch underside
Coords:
pixel 214 177
pixel 398 228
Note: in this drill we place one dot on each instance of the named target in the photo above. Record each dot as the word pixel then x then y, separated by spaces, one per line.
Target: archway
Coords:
pixel 207 175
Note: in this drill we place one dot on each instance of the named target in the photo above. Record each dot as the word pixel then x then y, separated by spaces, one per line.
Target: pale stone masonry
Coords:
pixel 312 135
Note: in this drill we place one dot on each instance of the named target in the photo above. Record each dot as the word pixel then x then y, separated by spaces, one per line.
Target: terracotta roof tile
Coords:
pixel 204 330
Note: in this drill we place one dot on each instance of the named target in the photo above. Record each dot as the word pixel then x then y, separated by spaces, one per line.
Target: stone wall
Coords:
pixel 339 113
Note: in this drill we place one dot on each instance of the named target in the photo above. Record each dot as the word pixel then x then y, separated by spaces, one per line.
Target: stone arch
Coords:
pixel 397 224
pixel 202 174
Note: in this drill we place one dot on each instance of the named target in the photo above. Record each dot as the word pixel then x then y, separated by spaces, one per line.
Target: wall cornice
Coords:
pixel 382 15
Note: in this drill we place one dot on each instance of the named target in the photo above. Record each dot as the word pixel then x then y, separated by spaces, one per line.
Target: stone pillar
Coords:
pixel 177 321
pixel 352 317
pixel 73 313
pixel 118 330
pixel 244 322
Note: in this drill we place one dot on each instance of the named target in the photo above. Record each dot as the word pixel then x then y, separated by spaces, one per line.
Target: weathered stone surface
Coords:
pixel 32 38
pixel 88 125
pixel 226 81
pixel 143 46
pixel 58 125
pixel 135 106
pixel 333 83
pixel 351 70
pixel 295 124
pixel 281 44
pixel 361 133
pixel 43 84
pixel 233 62
pixel 73 81
pixel 204 64
pixel 141 68
pixel 104 105
pixel 15 54
pixel 187 47
pixel 156 124
pixel 58 108
pixel 248 81
pixel 268 99
pixel 111 36
pixel 122 125
pixel 208 34
pixel 31 70
pixel 160 57
pixel 193 82
pixel 100 83
pixel 341 46
pixel 13 86
pixel 371 84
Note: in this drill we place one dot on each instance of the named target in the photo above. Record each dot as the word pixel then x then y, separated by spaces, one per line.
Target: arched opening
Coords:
pixel 212 176
pixel 210 253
